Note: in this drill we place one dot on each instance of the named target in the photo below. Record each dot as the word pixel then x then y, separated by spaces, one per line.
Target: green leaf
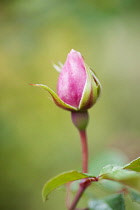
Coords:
pixel 135 196
pixel 116 201
pixel 106 157
pixel 98 205
pixel 134 165
pixel 113 202
pixel 126 177
pixel 109 169
pixel 111 186
pixel 61 179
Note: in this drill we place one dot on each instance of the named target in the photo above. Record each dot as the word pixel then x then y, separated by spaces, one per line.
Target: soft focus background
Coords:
pixel 37 139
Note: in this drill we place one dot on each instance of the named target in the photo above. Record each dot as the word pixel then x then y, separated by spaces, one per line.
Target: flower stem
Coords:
pixel 80 120
pixel 82 185
pixel 84 144
pixel 77 197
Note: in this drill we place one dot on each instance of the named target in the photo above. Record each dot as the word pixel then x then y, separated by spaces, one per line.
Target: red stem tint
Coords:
pixel 84 144
pixel 77 198
pixel 83 186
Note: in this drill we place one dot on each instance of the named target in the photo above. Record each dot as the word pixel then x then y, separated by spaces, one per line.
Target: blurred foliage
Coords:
pixel 38 139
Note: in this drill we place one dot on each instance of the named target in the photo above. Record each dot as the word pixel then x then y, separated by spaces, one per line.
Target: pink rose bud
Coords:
pixel 72 79
pixel 78 88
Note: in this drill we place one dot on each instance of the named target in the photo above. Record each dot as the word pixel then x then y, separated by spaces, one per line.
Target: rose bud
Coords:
pixel 78 88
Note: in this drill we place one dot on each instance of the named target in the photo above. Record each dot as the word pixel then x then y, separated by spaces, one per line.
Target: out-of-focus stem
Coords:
pixel 77 197
pixel 68 195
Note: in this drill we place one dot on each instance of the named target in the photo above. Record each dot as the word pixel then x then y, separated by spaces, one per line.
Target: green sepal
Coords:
pixel 96 85
pixel 56 98
pixel 90 92
pixel 87 95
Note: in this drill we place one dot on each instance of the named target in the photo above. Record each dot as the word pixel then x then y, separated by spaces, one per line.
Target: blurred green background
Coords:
pixel 37 139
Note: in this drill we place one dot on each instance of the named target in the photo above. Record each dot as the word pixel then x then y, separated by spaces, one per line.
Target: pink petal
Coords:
pixel 72 79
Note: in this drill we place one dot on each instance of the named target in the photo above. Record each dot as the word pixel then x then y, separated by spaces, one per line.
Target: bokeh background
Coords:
pixel 37 139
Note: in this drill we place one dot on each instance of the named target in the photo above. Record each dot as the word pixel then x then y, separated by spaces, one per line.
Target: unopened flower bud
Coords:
pixel 78 88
